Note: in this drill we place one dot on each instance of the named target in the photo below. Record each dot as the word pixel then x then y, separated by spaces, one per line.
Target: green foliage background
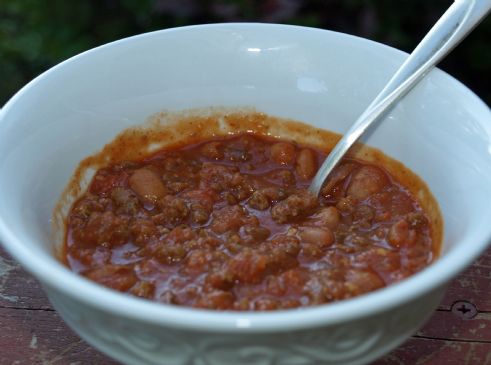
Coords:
pixel 37 34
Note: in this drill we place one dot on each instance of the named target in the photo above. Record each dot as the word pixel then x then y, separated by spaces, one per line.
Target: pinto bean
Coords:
pixel 283 153
pixel 255 233
pixel 306 164
pixel 337 176
pixel 319 236
pixel 363 281
pixel 366 181
pixel 147 185
pixel 328 216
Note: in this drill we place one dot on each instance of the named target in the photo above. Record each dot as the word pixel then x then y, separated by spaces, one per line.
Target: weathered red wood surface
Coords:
pixel 33 333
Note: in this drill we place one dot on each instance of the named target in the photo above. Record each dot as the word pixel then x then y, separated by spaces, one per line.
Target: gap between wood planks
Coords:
pixel 450 339
pixel 27 309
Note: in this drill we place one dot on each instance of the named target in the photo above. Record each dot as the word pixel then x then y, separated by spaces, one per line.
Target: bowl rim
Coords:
pixel 56 276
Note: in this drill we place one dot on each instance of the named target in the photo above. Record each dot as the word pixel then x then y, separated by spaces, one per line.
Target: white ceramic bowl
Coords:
pixel 441 131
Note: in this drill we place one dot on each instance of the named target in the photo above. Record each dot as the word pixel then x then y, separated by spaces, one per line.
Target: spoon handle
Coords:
pixel 460 18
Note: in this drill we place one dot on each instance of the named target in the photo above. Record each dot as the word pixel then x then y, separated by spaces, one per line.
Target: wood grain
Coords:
pixel 473 285
pixel 33 333
pixel 428 351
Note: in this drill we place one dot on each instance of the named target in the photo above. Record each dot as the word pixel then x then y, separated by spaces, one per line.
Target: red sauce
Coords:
pixel 227 223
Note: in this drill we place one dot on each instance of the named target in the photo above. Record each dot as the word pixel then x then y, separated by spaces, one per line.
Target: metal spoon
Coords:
pixel 458 21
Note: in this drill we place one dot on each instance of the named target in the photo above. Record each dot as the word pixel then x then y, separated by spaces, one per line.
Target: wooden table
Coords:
pixel 459 333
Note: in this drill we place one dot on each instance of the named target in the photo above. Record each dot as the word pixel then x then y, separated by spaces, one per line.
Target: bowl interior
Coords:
pixel 440 130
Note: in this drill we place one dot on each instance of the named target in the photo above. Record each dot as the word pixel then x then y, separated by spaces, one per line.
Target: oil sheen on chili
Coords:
pixel 228 224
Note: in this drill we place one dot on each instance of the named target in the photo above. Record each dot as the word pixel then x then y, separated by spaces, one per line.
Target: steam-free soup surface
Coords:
pixel 228 224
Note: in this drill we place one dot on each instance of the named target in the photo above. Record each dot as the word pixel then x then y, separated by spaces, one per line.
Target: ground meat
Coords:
pixel 116 277
pixel 325 285
pixel 103 229
pixel 205 197
pixel 143 289
pixel 287 243
pixel 142 230
pixel 198 261
pixel 125 201
pixel 297 205
pixel 182 234
pixel 282 252
pixel 248 267
pixel 241 187
pixel 165 251
pixel 381 260
pixel 261 199
pixel 222 279
pixel 215 176
pixel 217 299
pixel 417 220
pixel 107 179
pixel 199 214
pixel 174 209
pixel 400 234
pixel 230 218
pixel 84 207
pixel 175 163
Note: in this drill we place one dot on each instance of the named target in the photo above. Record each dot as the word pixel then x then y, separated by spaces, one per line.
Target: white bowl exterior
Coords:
pixel 441 131
pixel 352 342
